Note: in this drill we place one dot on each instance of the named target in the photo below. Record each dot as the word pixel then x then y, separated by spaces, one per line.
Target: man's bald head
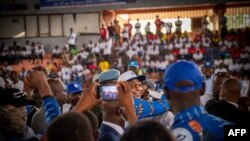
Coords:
pixel 230 90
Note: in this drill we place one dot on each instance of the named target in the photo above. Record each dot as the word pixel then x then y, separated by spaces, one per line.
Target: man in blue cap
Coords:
pixel 184 85
pixel 207 70
pixel 74 89
pixel 134 66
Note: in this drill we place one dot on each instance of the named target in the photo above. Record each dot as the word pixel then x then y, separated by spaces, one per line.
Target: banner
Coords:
pixel 75 3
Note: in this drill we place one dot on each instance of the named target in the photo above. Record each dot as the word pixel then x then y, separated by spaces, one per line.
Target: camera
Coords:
pixel 107 93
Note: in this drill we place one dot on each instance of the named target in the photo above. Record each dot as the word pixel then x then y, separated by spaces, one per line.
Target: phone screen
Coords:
pixel 108 92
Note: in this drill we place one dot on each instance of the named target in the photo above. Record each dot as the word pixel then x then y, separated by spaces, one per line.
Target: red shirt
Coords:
pixel 150 37
pixel 176 51
pixel 103 33
pixel 158 24
pixel 202 50
pixel 191 50
pixel 129 28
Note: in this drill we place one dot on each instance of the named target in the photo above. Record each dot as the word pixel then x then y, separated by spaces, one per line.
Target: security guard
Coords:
pixel 183 84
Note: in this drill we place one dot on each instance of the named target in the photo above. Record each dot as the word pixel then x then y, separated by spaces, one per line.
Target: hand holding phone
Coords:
pixel 107 93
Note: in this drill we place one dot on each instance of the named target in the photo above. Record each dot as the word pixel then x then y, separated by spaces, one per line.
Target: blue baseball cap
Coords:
pixel 133 63
pixel 74 87
pixel 208 65
pixel 183 70
pixel 111 74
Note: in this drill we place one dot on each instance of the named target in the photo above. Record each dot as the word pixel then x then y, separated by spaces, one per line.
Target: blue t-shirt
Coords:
pixel 195 124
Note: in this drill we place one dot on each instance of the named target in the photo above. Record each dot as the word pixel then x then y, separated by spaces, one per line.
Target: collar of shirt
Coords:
pixel 235 104
pixel 118 128
pixel 189 113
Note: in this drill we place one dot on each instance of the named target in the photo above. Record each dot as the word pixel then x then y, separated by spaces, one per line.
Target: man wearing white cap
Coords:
pixel 143 108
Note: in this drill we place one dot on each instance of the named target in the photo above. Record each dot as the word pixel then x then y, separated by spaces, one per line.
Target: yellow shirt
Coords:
pixel 104 65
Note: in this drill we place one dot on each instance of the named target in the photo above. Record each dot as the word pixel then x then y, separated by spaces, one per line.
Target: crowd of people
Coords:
pixel 202 85
pixel 15 53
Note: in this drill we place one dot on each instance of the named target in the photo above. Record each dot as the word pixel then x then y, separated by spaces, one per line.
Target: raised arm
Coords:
pixel 37 80
pixel 144 108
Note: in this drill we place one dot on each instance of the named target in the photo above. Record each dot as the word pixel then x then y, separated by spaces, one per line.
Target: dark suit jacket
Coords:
pixel 228 112
pixel 107 133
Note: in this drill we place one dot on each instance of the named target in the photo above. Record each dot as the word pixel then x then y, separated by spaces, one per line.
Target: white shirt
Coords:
pixel 107 48
pixel 183 51
pixel 40 51
pixel 157 64
pixel 178 45
pixel 238 67
pixel 72 38
pixel 152 64
pixel 168 27
pixel 137 27
pixel 178 24
pixel 95 50
pixel 117 128
pixel 206 44
pixel 217 62
pixel 170 46
pixel 86 71
pixel 163 64
pixel 84 55
pixel 125 32
pixel 167 119
pixel 169 57
pixel 66 73
pixel 228 61
pixel 244 88
pixel 197 56
pixel 130 53
pixel 188 45
pixel 232 67
pixel 28 47
pixel 18 85
pixel 244 55
pixel 147 28
pixel 56 51
pixel 246 66
pixel 78 69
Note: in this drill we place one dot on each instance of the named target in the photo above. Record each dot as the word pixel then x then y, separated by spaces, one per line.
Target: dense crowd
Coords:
pixel 96 91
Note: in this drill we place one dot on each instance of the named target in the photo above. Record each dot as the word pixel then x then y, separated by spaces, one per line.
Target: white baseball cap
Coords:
pixel 130 75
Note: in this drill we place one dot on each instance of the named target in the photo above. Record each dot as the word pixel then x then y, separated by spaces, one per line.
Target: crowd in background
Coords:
pixel 134 59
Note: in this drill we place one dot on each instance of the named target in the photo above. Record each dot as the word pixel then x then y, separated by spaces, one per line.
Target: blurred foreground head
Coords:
pixel 70 127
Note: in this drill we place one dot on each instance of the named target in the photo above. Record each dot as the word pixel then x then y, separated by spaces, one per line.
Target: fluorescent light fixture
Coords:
pixel 22 34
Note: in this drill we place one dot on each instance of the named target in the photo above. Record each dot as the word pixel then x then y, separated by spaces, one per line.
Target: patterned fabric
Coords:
pixel 145 108
pixel 51 109
pixel 195 124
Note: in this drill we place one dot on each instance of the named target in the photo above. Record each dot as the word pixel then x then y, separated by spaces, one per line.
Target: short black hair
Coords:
pixel 147 130
pixel 70 126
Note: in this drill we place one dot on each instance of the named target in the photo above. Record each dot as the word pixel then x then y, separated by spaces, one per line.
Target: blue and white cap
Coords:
pixel 74 87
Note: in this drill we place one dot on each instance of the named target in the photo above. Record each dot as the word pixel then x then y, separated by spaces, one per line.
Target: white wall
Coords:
pixel 50 42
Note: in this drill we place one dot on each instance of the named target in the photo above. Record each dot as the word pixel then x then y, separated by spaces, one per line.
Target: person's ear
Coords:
pixel 222 95
pixel 119 111
pixel 203 89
